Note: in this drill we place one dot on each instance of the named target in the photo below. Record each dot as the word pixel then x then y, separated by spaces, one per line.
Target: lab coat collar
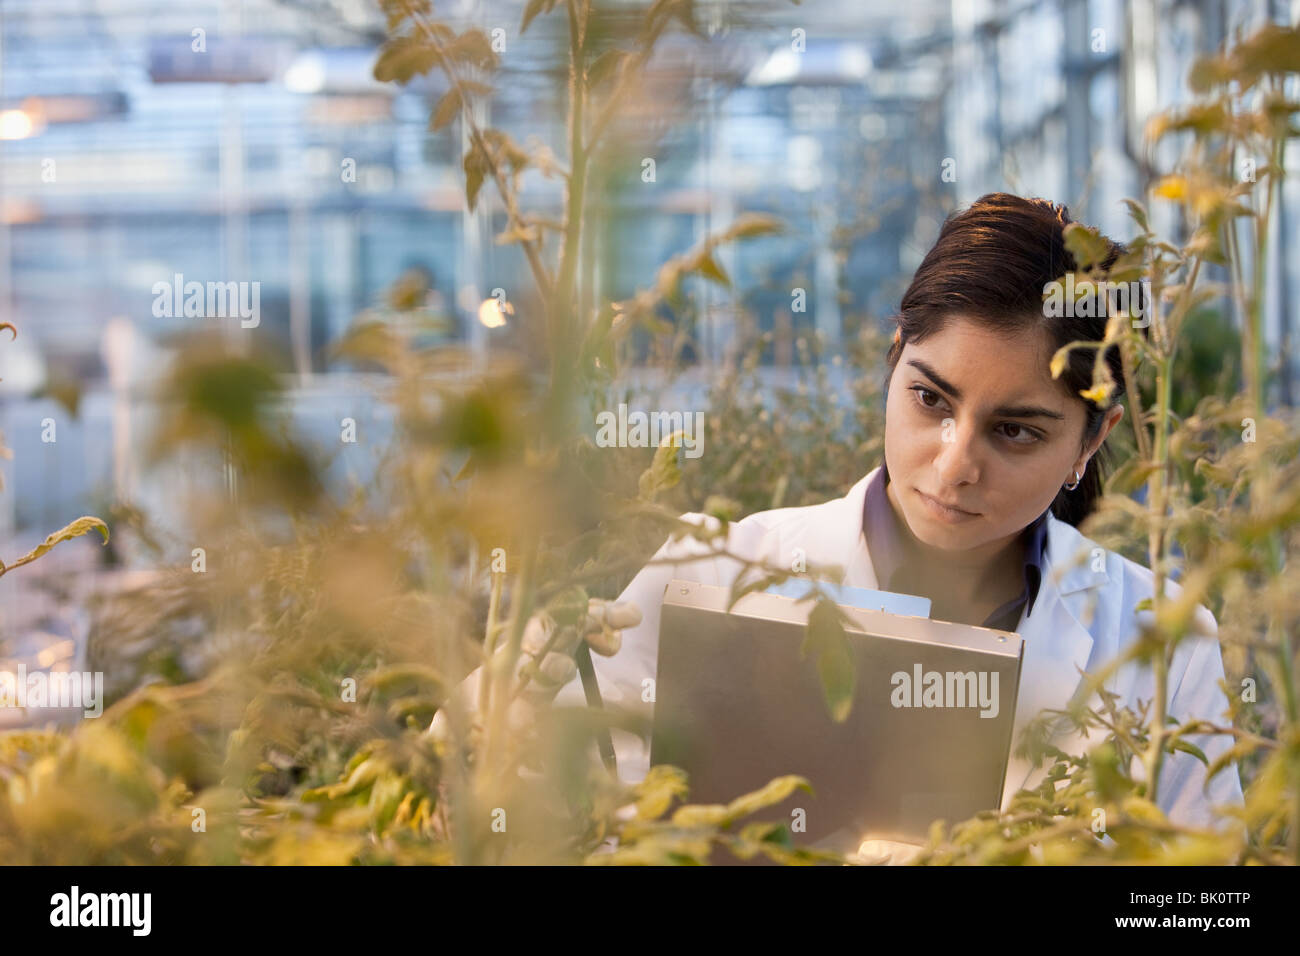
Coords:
pixel 1057 645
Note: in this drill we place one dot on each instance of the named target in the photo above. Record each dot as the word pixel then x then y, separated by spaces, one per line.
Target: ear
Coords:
pixel 1113 415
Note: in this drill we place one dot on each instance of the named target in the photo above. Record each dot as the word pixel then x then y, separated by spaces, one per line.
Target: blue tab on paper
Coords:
pixel 864 598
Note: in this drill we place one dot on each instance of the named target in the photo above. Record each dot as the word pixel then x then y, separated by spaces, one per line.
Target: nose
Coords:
pixel 957 461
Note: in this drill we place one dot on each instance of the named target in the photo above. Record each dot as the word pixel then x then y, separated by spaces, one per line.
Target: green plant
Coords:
pixel 333 629
pixel 1221 501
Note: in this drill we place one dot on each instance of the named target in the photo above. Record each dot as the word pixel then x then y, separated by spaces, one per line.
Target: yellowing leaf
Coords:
pixel 446 109
pixel 476 167
pixel 1057 365
pixel 708 267
pixel 770 794
pixel 74 530
pixel 1142 810
pixel 473 47
pixel 664 472
pixel 402 58
pixel 1098 393
pixel 1172 187
pixel 534 8
pixel 753 224
pixel 700 815
pixel 662 784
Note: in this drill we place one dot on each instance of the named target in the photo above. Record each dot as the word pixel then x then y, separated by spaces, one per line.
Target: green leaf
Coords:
pixel 385 797
pixel 1103 767
pixel 446 109
pixel 395 678
pixel 1130 476
pixel 1138 213
pixel 1086 244
pixel 722 507
pixel 825 638
pixel 749 583
pixel 1215 473
pixel 1190 748
pixel 763 832
pixel 359 778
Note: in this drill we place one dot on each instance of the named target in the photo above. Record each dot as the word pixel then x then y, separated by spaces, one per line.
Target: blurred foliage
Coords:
pixel 74 529
pixel 774 444
pixel 1215 469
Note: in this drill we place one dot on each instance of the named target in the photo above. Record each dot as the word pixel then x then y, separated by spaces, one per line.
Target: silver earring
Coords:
pixel 1077 478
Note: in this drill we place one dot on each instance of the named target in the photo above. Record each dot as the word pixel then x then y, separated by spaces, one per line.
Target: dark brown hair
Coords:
pixel 991 263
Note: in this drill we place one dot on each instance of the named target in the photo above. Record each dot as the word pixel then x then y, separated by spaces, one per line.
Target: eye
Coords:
pixel 923 395
pixel 1019 434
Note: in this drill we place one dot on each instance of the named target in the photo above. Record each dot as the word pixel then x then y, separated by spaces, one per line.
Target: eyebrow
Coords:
pixel 1010 411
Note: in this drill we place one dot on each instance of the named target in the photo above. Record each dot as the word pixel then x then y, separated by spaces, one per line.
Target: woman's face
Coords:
pixel 974 419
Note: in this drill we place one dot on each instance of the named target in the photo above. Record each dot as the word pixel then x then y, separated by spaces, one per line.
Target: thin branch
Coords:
pixel 535 264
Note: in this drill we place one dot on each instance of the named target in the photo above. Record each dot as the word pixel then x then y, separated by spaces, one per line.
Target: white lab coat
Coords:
pixel 1081 619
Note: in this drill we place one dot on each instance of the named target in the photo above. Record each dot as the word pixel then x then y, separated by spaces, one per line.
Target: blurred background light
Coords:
pixel 493 314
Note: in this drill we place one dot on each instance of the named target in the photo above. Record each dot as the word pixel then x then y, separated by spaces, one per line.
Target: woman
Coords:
pixel 989 466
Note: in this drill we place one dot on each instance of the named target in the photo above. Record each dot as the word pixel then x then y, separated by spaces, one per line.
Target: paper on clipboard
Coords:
pixel 909 604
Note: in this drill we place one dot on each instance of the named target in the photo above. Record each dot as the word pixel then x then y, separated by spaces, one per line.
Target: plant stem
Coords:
pixel 490 638
pixel 578 156
pixel 1258 398
pixel 521 609
pixel 1156 544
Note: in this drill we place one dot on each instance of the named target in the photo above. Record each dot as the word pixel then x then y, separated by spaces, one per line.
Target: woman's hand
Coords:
pixel 541 679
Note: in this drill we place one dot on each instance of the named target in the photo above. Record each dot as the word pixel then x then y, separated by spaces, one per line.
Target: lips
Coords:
pixel 940 501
